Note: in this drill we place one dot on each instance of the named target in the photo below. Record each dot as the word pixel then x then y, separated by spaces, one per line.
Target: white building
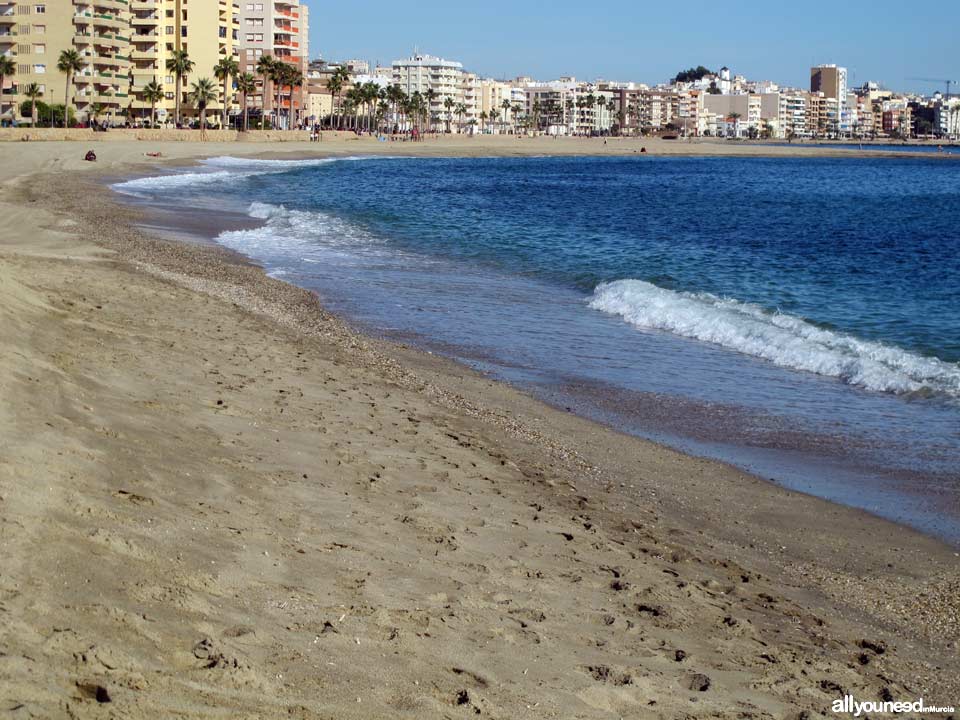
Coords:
pixel 437 79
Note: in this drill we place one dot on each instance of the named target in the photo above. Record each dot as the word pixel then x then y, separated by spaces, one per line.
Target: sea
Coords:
pixel 798 318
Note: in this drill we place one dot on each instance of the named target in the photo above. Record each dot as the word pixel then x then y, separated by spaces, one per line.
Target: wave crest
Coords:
pixel 782 339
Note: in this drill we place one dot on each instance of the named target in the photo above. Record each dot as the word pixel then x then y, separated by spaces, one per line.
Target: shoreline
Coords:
pixel 811 549
pixel 759 461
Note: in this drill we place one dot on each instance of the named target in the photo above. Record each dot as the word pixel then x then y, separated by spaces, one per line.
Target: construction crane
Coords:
pixel 945 83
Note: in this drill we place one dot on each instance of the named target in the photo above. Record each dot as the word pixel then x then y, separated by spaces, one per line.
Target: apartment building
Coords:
pixel 35 33
pixel 946 115
pixel 446 78
pixel 741 115
pixel 280 29
pixel 124 46
pixel 493 94
pixel 207 30
pixel 830 80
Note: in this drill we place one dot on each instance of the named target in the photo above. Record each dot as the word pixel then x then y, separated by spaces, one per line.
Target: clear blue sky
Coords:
pixel 879 40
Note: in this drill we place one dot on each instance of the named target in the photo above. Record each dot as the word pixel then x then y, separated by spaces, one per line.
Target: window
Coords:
pixel 169 29
pixel 40 9
pixel 168 79
pixel 249 6
pixel 39 29
pixel 39 69
pixel 39 49
pixel 169 95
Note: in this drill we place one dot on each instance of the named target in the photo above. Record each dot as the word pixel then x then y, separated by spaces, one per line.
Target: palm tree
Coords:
pixel 279 76
pixel 515 114
pixel 735 117
pixel 395 96
pixel 265 70
pixel 202 93
pixel 448 104
pixel 461 110
pixel 336 84
pixel 246 84
pixel 227 68
pixel 8 66
pixel 180 65
pixel 506 106
pixel 69 62
pixel 429 99
pixel 152 93
pixel 381 111
pixel 293 78
pixel 371 94
pixel 33 92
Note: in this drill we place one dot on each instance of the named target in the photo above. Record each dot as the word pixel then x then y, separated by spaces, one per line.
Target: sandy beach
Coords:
pixel 218 500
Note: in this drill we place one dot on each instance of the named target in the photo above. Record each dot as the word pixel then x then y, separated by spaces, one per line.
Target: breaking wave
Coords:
pixel 782 339
pixel 220 170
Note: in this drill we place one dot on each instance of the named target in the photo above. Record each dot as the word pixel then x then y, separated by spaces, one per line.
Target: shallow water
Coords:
pixel 797 317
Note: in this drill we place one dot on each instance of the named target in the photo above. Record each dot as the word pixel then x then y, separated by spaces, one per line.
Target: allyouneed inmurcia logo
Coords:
pixel 848 706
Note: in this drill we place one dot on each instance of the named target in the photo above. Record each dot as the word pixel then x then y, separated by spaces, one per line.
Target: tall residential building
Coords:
pixel 829 80
pixel 423 73
pixel 280 29
pixel 207 30
pixel 36 32
pixel 124 45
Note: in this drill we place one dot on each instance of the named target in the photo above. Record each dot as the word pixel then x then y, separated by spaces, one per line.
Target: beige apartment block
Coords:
pixel 124 46
pixel 35 34
pixel 206 29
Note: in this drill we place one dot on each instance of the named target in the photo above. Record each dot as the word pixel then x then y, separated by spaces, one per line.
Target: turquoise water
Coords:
pixel 798 317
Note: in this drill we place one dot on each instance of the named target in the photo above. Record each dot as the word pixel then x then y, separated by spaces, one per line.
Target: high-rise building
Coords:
pixel 425 73
pixel 280 29
pixel 829 80
pixel 123 45
pixel 207 30
pixel 37 32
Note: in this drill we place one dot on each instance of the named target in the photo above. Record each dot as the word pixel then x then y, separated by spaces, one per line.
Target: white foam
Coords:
pixel 293 236
pixel 224 169
pixel 782 339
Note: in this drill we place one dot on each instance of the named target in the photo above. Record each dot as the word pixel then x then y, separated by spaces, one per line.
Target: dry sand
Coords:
pixel 217 501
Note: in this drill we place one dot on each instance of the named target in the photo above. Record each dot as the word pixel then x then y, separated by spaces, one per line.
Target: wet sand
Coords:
pixel 218 500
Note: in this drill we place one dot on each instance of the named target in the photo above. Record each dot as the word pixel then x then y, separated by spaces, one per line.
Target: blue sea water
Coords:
pixel 797 317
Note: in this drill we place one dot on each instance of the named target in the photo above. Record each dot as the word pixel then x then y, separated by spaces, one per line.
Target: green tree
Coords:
pixel 265 69
pixel 336 84
pixel 227 68
pixel 448 104
pixel 33 93
pixel 505 106
pixel 152 93
pixel 246 85
pixel 179 65
pixel 8 67
pixel 692 75
pixel 202 93
pixel 69 63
